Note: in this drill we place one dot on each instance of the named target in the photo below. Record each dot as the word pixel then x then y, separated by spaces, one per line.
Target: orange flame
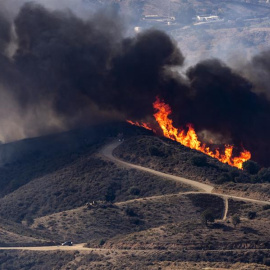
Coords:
pixel 144 125
pixel 190 139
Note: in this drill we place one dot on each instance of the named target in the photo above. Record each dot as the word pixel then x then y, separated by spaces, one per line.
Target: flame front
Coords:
pixel 190 139
pixel 144 125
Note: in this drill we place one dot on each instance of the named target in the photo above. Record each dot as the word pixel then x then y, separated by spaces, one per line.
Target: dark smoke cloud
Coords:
pixel 257 70
pixel 74 65
pixel 67 72
pixel 224 102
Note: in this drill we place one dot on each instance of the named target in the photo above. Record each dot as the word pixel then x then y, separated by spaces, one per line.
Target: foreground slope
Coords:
pixel 152 218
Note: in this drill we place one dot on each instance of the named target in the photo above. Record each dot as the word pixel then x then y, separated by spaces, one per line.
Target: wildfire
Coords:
pixel 190 139
pixel 144 125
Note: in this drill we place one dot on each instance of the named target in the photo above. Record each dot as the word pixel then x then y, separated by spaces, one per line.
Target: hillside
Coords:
pixel 67 173
pixel 173 158
pixel 86 180
pixel 13 234
pixel 31 260
pixel 137 219
pixel 29 159
pixel 104 222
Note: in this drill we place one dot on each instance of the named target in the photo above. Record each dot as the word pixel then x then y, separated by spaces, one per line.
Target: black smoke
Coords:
pixel 67 72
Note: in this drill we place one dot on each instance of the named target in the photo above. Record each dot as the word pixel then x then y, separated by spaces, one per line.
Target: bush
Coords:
pixel 252 215
pixel 223 178
pixel 266 207
pixel 264 175
pixel 233 174
pixel 130 212
pixel 199 160
pixel 207 216
pixel 154 151
pixel 102 242
pixel 110 195
pixel 134 191
pixel 235 220
pixel 111 192
pixel 251 167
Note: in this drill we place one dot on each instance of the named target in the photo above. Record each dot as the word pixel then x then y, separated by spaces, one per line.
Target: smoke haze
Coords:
pixel 61 71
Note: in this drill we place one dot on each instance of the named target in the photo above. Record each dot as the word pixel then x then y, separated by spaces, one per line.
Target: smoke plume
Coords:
pixel 67 72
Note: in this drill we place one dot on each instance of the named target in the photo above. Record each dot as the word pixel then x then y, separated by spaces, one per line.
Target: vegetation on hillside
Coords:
pixel 174 158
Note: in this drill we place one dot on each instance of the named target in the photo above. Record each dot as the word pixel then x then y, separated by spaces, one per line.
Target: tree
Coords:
pixel 251 167
pixel 235 220
pixel 207 216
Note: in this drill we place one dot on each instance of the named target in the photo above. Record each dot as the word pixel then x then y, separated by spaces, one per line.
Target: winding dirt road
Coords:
pixel 107 151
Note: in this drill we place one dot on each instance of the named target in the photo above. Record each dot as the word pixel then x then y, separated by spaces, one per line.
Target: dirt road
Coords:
pixel 107 151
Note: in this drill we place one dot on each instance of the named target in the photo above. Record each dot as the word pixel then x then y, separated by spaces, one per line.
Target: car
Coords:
pixel 67 243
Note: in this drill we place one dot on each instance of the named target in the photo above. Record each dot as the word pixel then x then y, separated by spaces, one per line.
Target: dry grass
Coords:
pixel 82 225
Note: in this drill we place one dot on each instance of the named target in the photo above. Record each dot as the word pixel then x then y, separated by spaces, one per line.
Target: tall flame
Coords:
pixel 190 139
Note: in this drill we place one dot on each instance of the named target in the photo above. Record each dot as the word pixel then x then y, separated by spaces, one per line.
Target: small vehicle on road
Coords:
pixel 67 243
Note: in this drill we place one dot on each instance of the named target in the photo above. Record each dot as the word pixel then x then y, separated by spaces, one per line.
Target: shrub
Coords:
pixel 252 215
pixel 111 191
pixel 136 221
pixel 266 207
pixel 102 242
pixel 110 195
pixel 154 151
pixel 266 261
pixel 207 216
pixel 199 160
pixel 235 220
pixel 264 175
pixel 223 178
pixel 134 191
pixel 233 174
pixel 251 167
pixel 130 212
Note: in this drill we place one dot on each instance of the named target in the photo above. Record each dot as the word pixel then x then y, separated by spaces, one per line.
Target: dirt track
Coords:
pixel 107 151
